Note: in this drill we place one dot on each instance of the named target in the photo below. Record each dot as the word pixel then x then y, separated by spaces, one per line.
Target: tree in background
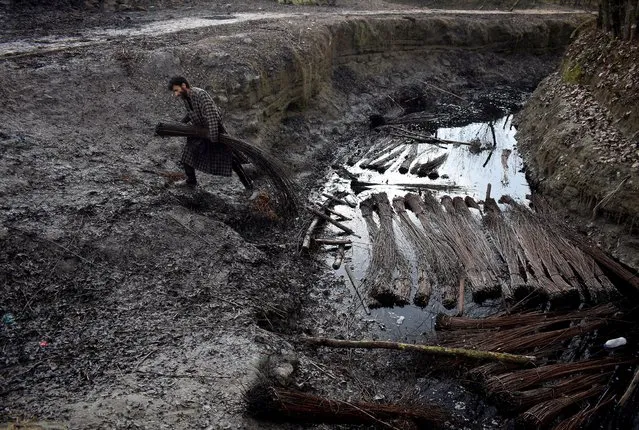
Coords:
pixel 621 17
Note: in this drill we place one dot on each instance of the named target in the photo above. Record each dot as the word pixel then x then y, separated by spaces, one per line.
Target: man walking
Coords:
pixel 207 155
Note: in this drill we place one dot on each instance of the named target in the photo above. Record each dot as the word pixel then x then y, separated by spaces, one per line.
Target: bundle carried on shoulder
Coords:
pixel 283 187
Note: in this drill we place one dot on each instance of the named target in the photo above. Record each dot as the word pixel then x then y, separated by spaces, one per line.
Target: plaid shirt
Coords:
pixel 206 155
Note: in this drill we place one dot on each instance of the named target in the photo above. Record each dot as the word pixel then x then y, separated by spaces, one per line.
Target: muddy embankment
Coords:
pixel 580 135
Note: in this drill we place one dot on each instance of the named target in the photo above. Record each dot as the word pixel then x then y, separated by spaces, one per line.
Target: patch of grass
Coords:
pixel 571 73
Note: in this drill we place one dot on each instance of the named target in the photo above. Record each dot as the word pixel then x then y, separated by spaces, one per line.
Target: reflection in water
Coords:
pixel 466 172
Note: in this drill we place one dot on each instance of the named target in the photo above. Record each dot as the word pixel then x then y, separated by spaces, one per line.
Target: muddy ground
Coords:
pixel 131 304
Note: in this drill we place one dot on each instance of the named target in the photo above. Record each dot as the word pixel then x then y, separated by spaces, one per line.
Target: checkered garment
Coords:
pixel 206 155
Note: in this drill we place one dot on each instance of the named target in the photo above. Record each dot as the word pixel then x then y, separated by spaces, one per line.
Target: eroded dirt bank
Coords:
pixel 137 305
pixel 580 134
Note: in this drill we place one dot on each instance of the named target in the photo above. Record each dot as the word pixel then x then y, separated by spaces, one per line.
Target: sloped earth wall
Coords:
pixel 133 304
pixel 580 135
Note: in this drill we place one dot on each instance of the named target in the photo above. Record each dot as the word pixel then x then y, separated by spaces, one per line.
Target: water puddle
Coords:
pixel 466 171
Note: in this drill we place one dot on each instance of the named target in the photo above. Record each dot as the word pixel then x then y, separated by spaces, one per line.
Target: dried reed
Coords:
pixel 388 275
pixel 542 414
pixel 268 402
pixel 531 318
pixel 444 259
pixel 527 378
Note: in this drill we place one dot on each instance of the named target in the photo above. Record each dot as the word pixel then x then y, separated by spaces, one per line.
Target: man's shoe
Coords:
pixel 185 184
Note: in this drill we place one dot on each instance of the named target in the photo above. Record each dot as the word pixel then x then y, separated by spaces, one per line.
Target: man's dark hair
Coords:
pixel 178 80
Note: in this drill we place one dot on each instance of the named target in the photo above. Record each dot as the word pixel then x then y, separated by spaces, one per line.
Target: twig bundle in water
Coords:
pixel 388 275
pixel 445 261
pixel 268 402
pixel 424 250
pixel 284 188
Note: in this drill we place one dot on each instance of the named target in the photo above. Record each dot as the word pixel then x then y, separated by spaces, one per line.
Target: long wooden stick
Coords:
pixel 332 221
pixel 351 276
pixel 339 257
pixel 332 241
pixel 309 232
pixel 460 297
pixel 428 349
pixel 337 214
pixel 338 200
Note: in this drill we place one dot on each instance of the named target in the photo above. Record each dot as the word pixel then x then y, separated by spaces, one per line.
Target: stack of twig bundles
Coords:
pixel 537 332
pixel 445 261
pixel 424 252
pixel 506 243
pixel 539 251
pixel 570 263
pixel 388 275
pixel 377 157
pixel 462 241
pixel 285 190
pixel 597 287
pixel 268 402
pixel 485 268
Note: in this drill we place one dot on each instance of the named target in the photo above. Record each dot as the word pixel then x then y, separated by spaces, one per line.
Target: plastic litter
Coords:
pixel 615 343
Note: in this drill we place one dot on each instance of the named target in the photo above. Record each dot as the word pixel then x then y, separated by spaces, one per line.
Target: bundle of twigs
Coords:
pixel 444 259
pixel 485 268
pixel 424 169
pixel 272 403
pixel 580 420
pixel 286 195
pixel 525 338
pixel 539 251
pixel 408 159
pixel 564 387
pixel 480 374
pixel 388 275
pixel 506 244
pixel 424 252
pixel 384 162
pixel 528 378
pixel 542 414
pixel 597 286
pixel 571 263
pixel 532 318
pixel 380 149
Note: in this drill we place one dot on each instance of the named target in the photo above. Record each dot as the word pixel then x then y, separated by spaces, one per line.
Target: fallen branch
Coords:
pixel 351 276
pixel 339 257
pixel 323 241
pixel 332 221
pixel 428 349
pixel 309 232
pixel 338 200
